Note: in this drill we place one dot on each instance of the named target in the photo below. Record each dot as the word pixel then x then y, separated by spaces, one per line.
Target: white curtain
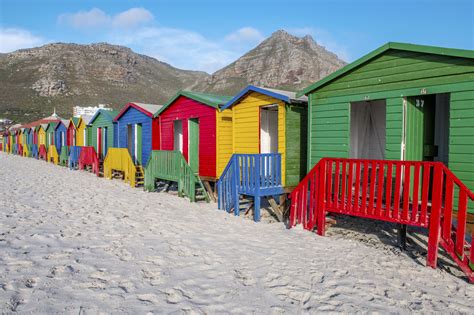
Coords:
pixel 368 130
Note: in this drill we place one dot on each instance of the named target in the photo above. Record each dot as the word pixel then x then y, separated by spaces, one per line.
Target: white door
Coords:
pixel 268 130
pixel 178 135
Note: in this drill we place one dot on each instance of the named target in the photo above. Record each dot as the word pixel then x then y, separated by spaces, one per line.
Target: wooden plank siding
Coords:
pixel 132 116
pixel 296 141
pixel 224 147
pixel 393 76
pixel 103 121
pixel 246 126
pixel 184 109
pixel 81 126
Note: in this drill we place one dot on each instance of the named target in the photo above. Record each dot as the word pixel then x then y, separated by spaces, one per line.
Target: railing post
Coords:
pixel 258 181
pixel 435 217
pixel 236 179
pixel 321 211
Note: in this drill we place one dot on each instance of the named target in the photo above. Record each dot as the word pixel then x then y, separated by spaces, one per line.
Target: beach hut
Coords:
pixel 103 130
pixel 81 130
pixel 51 148
pixel 269 145
pixel 134 130
pixel 193 124
pixel 60 137
pixel 393 134
pixel 134 142
pixel 42 149
pixel 71 132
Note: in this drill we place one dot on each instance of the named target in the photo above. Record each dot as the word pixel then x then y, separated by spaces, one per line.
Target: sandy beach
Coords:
pixel 71 242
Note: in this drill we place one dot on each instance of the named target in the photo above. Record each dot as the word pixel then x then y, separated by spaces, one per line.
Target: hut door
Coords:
pixel 420 128
pixel 178 135
pixel 104 141
pixel 130 139
pixel 269 129
pixel 138 144
pixel 193 144
pixel 99 142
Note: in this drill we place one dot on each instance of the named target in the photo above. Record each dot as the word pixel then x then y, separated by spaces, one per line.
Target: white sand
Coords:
pixel 74 243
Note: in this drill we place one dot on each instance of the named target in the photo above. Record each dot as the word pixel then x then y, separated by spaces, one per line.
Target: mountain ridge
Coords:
pixel 34 81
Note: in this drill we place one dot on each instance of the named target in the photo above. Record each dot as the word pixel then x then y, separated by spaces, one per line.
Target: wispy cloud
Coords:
pixel 12 39
pixel 86 20
pixel 245 34
pixel 323 38
pixel 181 48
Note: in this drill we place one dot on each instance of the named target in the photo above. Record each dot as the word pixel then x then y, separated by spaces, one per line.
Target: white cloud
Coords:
pixel 85 19
pixel 97 18
pixel 323 38
pixel 245 34
pixel 14 38
pixel 132 17
pixel 182 48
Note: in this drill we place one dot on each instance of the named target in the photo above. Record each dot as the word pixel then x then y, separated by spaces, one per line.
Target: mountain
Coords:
pixel 281 61
pixel 34 81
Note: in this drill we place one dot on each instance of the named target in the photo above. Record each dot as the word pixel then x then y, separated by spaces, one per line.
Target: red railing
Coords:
pixel 88 156
pixel 424 194
pixel 42 153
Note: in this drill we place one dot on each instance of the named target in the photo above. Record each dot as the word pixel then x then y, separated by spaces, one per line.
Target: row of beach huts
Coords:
pixel 388 137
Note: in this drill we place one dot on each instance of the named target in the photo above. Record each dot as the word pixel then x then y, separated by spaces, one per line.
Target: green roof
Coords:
pixel 52 124
pixel 75 121
pixel 462 53
pixel 212 100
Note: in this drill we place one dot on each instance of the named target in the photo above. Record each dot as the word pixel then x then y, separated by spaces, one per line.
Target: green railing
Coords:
pixel 171 166
pixel 64 155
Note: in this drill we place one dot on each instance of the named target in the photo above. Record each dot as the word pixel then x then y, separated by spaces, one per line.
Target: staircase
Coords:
pixel 73 160
pixel 88 158
pixel 249 175
pixel 139 176
pixel 63 156
pixel 119 160
pixel 171 166
pixel 42 152
pixel 424 194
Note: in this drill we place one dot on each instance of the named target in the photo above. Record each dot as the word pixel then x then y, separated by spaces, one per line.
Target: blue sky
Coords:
pixel 207 35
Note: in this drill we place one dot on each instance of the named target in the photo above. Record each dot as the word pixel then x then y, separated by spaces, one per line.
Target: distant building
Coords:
pixel 78 111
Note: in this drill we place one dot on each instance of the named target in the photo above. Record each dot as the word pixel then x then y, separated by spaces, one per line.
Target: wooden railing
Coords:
pixel 119 159
pixel 256 175
pixel 42 152
pixel 171 166
pixel 88 157
pixel 227 194
pixel 34 151
pixel 26 150
pixel 74 153
pixel 64 156
pixel 53 154
pixel 406 192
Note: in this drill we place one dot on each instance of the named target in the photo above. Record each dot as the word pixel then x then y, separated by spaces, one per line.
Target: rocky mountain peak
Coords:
pixel 280 61
pixel 62 75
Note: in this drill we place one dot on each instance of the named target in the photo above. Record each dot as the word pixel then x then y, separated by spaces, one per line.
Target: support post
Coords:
pixel 235 184
pixel 435 217
pixel 402 236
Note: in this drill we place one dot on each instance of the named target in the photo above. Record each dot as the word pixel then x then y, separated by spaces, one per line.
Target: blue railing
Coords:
pixel 15 149
pixel 34 151
pixel 256 175
pixel 226 195
pixel 73 161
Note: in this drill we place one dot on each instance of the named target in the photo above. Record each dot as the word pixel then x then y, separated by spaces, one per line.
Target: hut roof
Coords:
pixel 147 109
pixel 285 96
pixel 110 114
pixel 212 100
pixel 462 53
